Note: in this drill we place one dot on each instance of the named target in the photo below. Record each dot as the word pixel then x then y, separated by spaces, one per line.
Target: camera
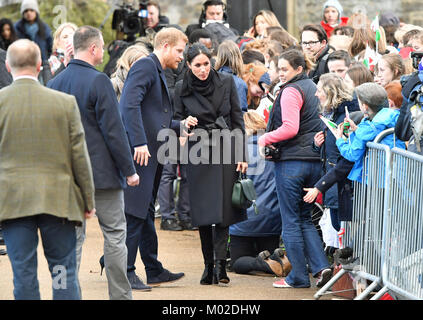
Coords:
pixel 272 153
pixel 416 56
pixel 130 21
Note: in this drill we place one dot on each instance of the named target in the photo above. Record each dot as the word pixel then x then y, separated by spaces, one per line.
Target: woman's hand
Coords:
pixel 311 195
pixel 249 33
pixel 69 53
pixel 187 124
pixel 319 139
pixel 242 166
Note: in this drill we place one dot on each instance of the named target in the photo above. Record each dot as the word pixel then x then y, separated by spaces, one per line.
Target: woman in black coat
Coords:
pixel 214 157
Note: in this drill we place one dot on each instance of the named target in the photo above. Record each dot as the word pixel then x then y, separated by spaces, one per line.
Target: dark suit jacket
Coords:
pixel 146 109
pixel 107 142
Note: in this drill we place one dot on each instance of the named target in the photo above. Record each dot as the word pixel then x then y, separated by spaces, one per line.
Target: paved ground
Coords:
pixel 178 251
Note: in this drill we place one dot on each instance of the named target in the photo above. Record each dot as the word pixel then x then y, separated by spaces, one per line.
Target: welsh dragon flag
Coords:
pixel 371 57
pixel 375 27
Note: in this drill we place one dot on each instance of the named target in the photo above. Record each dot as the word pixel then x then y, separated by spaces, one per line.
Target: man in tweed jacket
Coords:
pixel 45 176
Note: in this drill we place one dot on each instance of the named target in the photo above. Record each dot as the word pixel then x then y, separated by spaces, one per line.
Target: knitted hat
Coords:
pixel 336 5
pixel 29 4
pixel 388 19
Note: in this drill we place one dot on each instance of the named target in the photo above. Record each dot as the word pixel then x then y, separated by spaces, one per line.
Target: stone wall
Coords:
pixel 409 11
pixel 184 12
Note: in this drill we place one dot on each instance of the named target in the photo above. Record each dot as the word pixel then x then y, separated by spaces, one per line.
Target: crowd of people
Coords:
pixel 299 112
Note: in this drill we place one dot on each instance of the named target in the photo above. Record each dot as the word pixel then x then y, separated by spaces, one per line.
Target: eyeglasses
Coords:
pixel 310 43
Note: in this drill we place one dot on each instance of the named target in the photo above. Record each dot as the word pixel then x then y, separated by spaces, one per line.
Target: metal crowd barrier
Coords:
pixel 386 232
pixel 403 268
pixel 364 234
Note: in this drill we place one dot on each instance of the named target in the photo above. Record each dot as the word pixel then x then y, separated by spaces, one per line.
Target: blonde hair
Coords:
pixel 336 91
pixel 128 58
pixel 170 36
pixel 58 33
pixel 252 74
pixel 253 122
pixel 228 54
pixel 270 19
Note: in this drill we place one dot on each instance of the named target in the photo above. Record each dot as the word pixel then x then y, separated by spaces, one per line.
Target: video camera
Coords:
pixel 416 56
pixel 130 21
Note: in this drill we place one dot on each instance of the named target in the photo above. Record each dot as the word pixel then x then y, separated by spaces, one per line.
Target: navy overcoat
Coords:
pixel 146 109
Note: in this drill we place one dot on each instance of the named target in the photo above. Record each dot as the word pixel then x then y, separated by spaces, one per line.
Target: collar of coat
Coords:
pixel 82 63
pixel 217 80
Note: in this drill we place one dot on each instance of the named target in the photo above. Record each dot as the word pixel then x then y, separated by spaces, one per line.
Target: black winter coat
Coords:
pixel 210 185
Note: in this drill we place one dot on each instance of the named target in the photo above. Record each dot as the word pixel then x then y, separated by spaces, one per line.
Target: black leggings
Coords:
pixel 214 243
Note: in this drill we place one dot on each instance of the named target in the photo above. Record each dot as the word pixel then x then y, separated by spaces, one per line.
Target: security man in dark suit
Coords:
pixel 108 147
pixel 146 109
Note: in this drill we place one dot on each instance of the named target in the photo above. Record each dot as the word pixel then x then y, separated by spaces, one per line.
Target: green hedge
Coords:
pixel 80 12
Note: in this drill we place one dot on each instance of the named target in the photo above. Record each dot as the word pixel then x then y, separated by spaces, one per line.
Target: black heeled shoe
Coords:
pixel 101 265
pixel 220 272
pixel 207 277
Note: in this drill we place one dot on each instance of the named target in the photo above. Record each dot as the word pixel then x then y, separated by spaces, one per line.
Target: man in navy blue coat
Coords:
pixel 147 109
pixel 108 148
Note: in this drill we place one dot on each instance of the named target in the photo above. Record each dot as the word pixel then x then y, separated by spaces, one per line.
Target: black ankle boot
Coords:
pixel 220 275
pixel 101 265
pixel 207 277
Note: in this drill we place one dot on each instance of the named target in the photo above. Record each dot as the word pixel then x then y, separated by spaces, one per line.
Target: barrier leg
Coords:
pixel 368 290
pixel 379 295
pixel 330 283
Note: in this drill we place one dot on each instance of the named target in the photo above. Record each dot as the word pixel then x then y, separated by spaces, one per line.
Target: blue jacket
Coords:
pixel 45 44
pixel 146 109
pixel 241 87
pixel 107 143
pixel 354 149
pixel 268 221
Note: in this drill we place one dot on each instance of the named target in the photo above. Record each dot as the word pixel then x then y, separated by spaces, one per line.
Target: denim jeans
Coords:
pixel 302 242
pixel 59 241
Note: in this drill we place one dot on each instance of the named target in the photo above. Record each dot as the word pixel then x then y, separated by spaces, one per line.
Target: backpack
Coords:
pixel 220 32
pixel 415 105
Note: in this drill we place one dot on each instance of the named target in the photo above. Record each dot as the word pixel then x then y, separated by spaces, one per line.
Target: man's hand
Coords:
pixel 89 214
pixel 319 138
pixel 141 155
pixel 133 180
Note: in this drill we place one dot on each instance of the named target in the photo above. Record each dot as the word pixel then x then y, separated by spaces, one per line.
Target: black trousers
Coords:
pixel 244 251
pixel 214 243
pixel 251 246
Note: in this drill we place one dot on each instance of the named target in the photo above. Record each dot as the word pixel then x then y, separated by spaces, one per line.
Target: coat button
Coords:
pixel 163 126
